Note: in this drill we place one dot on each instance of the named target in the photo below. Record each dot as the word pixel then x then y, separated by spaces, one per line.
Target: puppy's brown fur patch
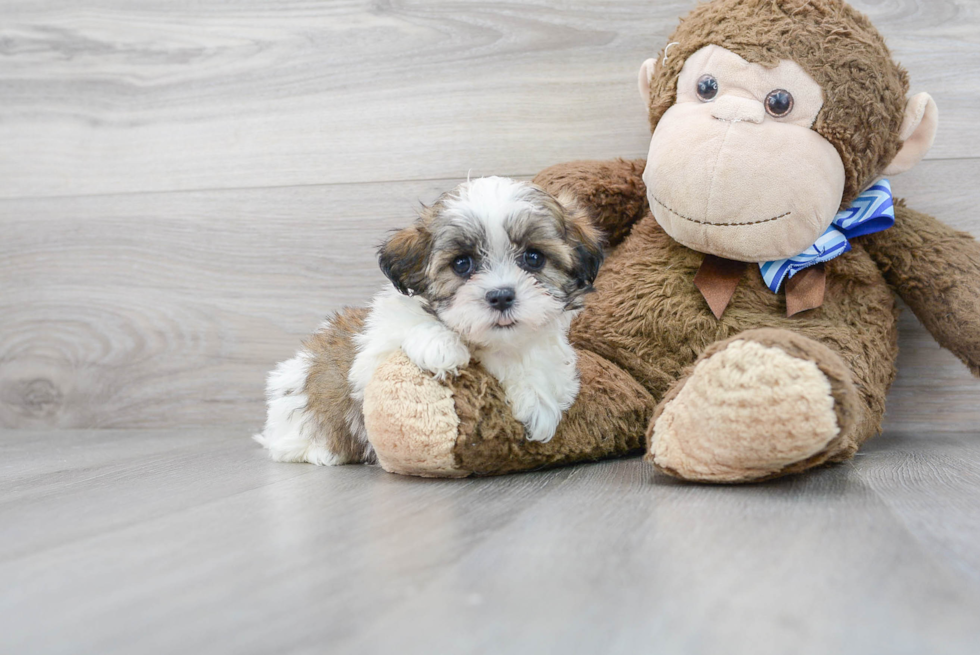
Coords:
pixel 328 392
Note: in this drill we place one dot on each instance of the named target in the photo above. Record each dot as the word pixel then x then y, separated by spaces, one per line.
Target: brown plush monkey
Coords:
pixel 770 119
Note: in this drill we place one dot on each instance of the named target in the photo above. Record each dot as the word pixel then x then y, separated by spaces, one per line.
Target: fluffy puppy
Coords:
pixel 493 271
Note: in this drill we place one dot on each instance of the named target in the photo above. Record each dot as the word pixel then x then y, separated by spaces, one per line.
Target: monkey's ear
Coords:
pixel 586 241
pixel 918 133
pixel 644 77
pixel 404 256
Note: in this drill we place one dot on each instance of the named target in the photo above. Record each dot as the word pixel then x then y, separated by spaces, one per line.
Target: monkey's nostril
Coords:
pixel 501 299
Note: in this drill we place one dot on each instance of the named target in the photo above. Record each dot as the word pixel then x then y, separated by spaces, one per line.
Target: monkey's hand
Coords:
pixel 465 425
pixel 936 271
pixel 612 192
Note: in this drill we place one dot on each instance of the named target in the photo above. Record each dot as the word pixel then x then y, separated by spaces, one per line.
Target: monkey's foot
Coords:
pixel 762 404
pixel 411 420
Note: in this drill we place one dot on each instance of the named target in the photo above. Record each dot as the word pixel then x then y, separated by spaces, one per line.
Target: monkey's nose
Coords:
pixel 501 299
pixel 736 109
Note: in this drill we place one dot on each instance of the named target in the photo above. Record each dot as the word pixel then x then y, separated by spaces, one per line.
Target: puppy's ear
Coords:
pixel 586 240
pixel 404 257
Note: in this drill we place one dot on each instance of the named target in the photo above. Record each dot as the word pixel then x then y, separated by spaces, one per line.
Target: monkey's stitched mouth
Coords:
pixel 694 220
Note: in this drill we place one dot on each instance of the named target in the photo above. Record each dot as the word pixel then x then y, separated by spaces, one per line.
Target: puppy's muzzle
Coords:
pixel 501 299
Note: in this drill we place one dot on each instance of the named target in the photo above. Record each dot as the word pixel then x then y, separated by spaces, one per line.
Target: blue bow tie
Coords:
pixel 872 211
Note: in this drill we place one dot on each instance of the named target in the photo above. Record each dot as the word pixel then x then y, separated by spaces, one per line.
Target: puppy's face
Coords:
pixel 496 258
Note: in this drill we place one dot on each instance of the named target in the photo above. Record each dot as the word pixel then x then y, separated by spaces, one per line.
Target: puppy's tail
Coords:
pixel 309 399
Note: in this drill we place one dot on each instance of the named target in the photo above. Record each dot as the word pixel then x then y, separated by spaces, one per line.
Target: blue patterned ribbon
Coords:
pixel 872 211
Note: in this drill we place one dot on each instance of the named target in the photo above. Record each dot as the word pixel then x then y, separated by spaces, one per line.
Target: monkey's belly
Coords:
pixel 648 317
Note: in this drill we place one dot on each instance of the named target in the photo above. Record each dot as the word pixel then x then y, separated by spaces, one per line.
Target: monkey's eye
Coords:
pixel 463 265
pixel 707 88
pixel 533 259
pixel 779 103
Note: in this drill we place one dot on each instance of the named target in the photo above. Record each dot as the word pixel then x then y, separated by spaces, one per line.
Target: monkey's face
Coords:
pixel 734 169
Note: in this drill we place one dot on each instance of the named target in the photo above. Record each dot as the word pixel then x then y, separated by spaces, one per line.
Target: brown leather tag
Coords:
pixel 717 280
pixel 805 290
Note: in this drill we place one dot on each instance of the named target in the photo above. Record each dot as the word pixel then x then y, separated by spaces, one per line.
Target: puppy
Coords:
pixel 493 271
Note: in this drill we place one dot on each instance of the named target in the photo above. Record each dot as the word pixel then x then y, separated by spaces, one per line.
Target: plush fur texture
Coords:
pixel 935 269
pixel 460 426
pixel 762 404
pixel 741 403
pixel 647 325
pixel 615 204
pixel 816 382
pixel 420 443
pixel 669 323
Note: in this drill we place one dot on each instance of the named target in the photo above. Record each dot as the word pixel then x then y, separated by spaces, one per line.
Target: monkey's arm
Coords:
pixel 936 271
pixel 613 191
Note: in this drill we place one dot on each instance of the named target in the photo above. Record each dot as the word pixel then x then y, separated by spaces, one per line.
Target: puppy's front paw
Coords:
pixel 541 424
pixel 440 354
pixel 540 418
pixel 539 412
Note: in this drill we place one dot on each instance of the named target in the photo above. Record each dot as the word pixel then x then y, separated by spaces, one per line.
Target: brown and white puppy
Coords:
pixel 494 271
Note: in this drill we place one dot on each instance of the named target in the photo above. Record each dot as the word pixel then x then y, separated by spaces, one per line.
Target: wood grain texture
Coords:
pixel 160 310
pixel 192 541
pixel 169 310
pixel 111 96
pixel 934 490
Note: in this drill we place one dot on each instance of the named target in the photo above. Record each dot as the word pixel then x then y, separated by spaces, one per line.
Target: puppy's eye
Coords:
pixel 779 103
pixel 707 88
pixel 533 259
pixel 463 265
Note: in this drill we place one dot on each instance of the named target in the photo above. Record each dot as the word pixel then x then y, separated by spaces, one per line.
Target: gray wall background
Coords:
pixel 187 189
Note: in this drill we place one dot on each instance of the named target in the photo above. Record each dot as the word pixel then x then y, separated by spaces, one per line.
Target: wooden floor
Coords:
pixel 187 189
pixel 186 541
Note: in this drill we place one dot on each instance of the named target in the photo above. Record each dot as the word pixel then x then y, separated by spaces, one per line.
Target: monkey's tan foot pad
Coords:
pixel 762 404
pixel 411 420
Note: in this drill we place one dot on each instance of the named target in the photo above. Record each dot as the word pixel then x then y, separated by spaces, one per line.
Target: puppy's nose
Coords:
pixel 501 299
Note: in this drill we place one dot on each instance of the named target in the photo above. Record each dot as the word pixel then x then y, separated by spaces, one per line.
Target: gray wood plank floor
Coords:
pixel 190 541
pixel 119 96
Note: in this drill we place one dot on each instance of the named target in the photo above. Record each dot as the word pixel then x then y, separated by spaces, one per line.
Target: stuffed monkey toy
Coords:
pixel 744 324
